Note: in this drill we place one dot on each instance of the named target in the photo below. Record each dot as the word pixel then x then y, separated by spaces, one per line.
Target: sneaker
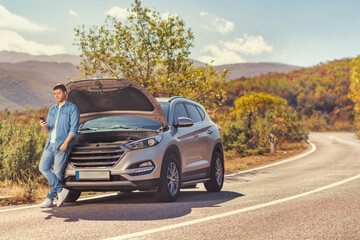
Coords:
pixel 62 196
pixel 48 203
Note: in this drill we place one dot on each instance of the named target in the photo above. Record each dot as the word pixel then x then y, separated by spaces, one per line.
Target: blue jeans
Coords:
pixel 57 159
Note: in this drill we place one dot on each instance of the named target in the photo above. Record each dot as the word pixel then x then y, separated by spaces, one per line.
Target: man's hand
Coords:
pixel 65 144
pixel 44 125
pixel 63 147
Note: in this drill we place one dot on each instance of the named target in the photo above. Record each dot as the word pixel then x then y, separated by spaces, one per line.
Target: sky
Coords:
pixel 303 33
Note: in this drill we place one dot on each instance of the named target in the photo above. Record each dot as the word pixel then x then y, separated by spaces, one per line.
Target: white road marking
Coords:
pixel 313 149
pixel 247 209
pixel 35 206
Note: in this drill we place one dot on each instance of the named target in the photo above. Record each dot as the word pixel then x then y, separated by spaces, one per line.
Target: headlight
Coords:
pixel 143 143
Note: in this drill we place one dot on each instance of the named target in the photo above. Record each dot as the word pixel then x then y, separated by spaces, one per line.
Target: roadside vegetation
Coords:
pixel 355 92
pixel 154 52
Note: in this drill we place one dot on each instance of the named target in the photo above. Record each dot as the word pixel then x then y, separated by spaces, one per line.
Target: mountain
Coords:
pixel 30 83
pixel 16 57
pixel 253 69
pixel 28 79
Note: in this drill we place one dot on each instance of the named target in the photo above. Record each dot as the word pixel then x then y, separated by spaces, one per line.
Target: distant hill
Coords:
pixel 16 57
pixel 27 79
pixel 320 93
pixel 253 69
pixel 30 83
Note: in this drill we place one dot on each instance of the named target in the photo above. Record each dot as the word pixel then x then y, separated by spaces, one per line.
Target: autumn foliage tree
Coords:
pixel 257 115
pixel 150 50
pixel 319 93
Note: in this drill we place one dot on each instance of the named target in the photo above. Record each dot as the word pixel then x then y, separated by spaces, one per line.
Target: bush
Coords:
pixel 21 147
pixel 258 115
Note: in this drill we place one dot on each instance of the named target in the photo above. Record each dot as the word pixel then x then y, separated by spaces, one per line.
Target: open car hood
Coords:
pixel 98 98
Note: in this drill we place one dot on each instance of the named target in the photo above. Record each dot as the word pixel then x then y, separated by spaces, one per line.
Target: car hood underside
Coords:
pixel 98 98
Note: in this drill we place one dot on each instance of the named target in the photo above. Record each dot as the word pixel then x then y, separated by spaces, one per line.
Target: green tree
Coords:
pixel 150 50
pixel 355 91
pixel 258 115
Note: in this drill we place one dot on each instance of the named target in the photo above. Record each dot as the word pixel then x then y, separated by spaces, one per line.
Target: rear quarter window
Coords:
pixel 194 113
pixel 202 113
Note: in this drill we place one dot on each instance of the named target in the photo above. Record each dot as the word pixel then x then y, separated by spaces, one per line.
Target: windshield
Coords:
pixel 120 123
pixel 165 107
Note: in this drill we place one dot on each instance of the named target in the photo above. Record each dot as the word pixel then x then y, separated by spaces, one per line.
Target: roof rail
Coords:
pixel 176 97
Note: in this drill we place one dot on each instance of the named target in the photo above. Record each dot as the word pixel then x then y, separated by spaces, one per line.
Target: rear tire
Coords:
pixel 72 196
pixel 170 180
pixel 216 181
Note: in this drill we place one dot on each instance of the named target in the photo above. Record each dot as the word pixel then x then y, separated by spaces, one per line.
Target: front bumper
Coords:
pixel 112 185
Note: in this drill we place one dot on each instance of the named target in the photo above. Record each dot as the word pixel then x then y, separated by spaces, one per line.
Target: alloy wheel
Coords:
pixel 219 171
pixel 173 178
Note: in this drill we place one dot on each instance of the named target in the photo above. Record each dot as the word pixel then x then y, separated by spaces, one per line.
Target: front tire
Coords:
pixel 72 196
pixel 170 180
pixel 216 181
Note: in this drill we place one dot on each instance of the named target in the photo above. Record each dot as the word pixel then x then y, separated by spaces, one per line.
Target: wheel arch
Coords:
pixel 173 149
pixel 218 148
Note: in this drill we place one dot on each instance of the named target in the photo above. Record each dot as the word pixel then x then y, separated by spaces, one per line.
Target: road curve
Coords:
pixel 312 197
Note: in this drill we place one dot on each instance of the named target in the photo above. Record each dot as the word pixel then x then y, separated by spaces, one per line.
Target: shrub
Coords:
pixel 258 115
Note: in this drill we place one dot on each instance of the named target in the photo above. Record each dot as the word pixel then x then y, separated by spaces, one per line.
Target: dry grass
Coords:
pixel 287 149
pixel 13 194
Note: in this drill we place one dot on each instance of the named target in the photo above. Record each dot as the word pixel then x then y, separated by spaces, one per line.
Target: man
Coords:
pixel 62 125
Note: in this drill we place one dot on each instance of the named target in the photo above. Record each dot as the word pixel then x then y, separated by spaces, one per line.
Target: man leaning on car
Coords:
pixel 62 125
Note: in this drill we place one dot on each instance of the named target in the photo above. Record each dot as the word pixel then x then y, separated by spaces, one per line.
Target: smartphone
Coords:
pixel 42 118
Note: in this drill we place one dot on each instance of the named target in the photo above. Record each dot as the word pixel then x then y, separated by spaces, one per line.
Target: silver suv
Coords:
pixel 128 140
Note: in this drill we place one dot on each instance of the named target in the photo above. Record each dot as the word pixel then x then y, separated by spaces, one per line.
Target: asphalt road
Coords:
pixel 310 197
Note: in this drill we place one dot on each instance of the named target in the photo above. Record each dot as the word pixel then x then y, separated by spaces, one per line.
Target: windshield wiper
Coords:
pixel 116 127
pixel 86 129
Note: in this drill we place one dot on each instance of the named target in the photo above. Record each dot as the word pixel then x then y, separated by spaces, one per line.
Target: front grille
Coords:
pixel 95 155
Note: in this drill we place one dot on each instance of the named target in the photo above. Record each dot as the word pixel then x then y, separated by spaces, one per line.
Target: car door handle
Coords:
pixel 209 131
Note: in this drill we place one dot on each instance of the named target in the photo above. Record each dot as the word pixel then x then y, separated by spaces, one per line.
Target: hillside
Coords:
pixel 319 93
pixel 237 70
pixel 253 69
pixel 16 57
pixel 30 83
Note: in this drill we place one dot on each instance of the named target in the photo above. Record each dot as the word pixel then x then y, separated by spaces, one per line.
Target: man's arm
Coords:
pixel 45 126
pixel 74 125
pixel 65 144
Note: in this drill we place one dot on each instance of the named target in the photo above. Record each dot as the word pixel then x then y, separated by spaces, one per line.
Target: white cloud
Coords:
pixel 12 21
pixel 232 52
pixel 249 45
pixel 118 12
pixel 220 25
pixel 220 56
pixel 72 12
pixel 12 41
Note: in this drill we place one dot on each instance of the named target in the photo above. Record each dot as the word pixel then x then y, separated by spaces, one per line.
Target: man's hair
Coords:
pixel 60 86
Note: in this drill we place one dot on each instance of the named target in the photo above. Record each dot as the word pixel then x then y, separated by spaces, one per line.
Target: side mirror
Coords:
pixel 183 122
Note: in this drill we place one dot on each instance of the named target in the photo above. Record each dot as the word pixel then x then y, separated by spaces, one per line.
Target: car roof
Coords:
pixel 162 99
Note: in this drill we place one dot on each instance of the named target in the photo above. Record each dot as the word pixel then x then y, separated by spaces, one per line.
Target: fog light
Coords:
pixel 146 164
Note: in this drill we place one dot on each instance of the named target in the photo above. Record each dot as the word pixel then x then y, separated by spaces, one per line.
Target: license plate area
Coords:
pixel 93 175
